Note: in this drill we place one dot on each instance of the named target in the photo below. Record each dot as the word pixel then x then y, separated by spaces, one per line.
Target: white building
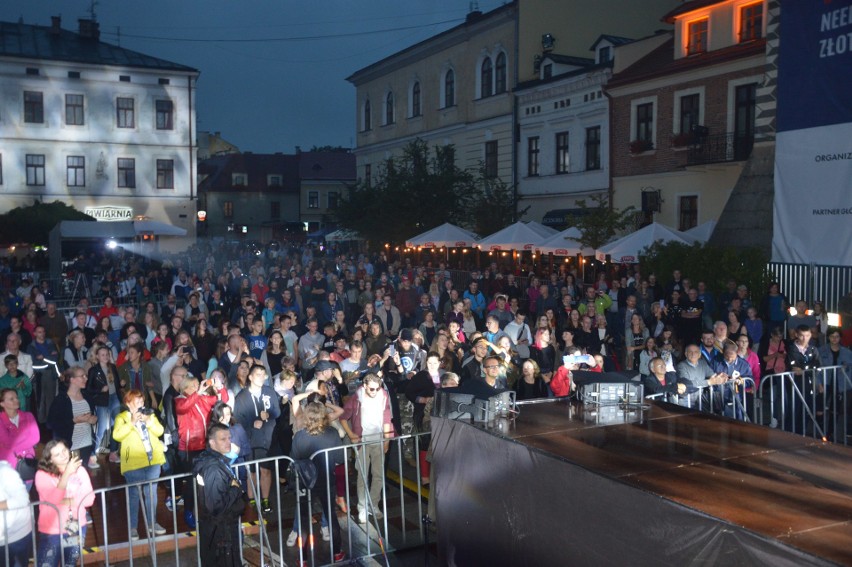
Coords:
pixel 107 130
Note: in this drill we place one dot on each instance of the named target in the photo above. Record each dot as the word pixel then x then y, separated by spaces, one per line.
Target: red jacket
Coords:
pixel 193 417
pixel 352 410
pixel 561 382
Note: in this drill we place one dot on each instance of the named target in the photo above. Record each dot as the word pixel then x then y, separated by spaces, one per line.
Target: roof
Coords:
pixel 257 167
pixel 318 166
pixel 43 42
pixel 613 39
pixel 687 7
pixel 558 77
pixel 661 62
pixel 569 59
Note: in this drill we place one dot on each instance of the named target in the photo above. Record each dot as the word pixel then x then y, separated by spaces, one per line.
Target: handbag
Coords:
pixel 27 467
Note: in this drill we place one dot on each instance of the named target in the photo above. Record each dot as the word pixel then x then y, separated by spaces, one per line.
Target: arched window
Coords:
pixel 486 78
pixel 500 74
pixel 449 89
pixel 368 117
pixel 415 99
pixel 389 118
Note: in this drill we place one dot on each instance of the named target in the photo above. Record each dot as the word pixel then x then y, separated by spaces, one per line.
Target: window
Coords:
pixel 593 148
pixel 415 99
pixel 605 54
pixel 645 122
pixel 239 179
pixel 127 172
pixel 751 22
pixel 313 199
pixel 368 174
pixel 35 169
pixel 124 78
pixel 486 77
pixel 449 89
pixel 689 112
pixel 165 114
pixel 500 74
pixel 125 114
pixel 273 180
pixel 74 110
pixel 228 209
pixel 32 71
pixel 389 117
pixel 547 71
pixel 491 159
pixel 697 37
pixel 73 74
pixel 33 107
pixel 165 174
pixel 75 171
pixel 368 117
pixel 333 199
pixel 162 81
pixel 688 212
pixel 563 159
pixel 532 156
pixel 275 210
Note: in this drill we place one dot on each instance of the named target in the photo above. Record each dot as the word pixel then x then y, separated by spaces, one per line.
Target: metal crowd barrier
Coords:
pixel 730 399
pixel 817 403
pixel 5 556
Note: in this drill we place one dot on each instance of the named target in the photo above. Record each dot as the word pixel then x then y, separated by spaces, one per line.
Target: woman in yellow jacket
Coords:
pixel 141 455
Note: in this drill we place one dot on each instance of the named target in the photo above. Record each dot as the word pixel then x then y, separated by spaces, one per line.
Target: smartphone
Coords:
pixel 75 454
pixel 662 303
pixel 392 350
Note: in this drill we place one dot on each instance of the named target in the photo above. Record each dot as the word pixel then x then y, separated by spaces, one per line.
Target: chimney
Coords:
pixel 55 25
pixel 89 29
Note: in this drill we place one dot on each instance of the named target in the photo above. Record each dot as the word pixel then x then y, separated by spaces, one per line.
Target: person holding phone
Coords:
pixel 72 416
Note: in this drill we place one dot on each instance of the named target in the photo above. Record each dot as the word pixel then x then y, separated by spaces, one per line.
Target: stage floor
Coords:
pixel 793 489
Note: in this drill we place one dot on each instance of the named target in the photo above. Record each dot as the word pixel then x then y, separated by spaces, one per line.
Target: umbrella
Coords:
pixel 564 244
pixel 702 232
pixel 545 231
pixel 628 248
pixel 447 235
pixel 518 236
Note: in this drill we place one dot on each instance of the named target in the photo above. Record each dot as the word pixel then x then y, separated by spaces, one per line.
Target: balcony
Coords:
pixel 719 148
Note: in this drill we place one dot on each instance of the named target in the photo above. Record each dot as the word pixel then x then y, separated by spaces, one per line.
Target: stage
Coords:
pixel 567 484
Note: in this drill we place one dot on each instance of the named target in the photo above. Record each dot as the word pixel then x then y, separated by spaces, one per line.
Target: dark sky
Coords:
pixel 272 71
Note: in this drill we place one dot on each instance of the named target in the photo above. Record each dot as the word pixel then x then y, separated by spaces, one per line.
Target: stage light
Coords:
pixel 833 319
pixel 111 244
pixel 792 311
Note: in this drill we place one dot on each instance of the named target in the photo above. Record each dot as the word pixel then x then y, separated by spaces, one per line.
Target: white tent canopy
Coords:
pixel 628 248
pixel 518 236
pixel 447 235
pixel 545 231
pixel 702 232
pixel 564 244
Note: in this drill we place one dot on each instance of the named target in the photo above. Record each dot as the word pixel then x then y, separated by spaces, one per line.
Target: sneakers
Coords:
pixel 339 556
pixel 134 535
pixel 265 508
pixel 93 462
pixel 114 458
pixel 170 504
pixel 292 538
pixel 325 535
pixel 341 503
pixel 362 516
pixel 103 450
pixel 158 529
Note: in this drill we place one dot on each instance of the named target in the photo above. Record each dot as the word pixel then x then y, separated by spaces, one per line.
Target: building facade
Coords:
pixel 324 178
pixel 104 129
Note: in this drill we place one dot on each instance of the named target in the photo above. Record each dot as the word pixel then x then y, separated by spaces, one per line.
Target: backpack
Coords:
pixel 302 473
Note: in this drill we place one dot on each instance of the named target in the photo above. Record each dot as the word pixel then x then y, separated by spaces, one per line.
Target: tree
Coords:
pixel 494 206
pixel 33 224
pixel 335 149
pixel 599 223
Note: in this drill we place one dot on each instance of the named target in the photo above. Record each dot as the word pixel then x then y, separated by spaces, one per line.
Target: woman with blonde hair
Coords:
pixel 102 387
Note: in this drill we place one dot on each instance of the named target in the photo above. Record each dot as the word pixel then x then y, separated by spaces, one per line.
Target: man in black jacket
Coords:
pixel 221 501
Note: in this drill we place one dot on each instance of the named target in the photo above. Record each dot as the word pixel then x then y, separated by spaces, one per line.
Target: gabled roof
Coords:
pixel 613 39
pixel 327 166
pixel 558 77
pixel 687 7
pixel 257 167
pixel 43 42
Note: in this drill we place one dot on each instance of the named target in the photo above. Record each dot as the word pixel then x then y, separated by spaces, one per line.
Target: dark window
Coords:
pixel 486 76
pixel 127 172
pixel 35 169
pixel 165 114
pixel 491 159
pixel 563 159
pixel 389 117
pixel 333 198
pixel 751 22
pixel 744 115
pixel 33 107
pixel 449 88
pixel 75 174
pixel 274 210
pixel 368 116
pixel 500 74
pixel 689 112
pixel 313 199
pixel 604 54
pixel 165 174
pixel 532 156
pixel 32 71
pixel 415 99
pixel 228 209
pixel 162 81
pixel 593 148
pixel 125 113
pixel 368 174
pixel 697 32
pixel 645 122
pixel 688 213
pixel 548 71
pixel 73 74
pixel 274 181
pixel 74 110
pixel 124 78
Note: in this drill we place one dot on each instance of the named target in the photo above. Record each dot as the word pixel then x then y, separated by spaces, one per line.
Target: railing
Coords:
pixel 718 148
pixel 730 399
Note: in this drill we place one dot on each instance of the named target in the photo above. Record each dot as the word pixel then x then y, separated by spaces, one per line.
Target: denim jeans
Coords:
pixel 150 473
pixel 19 552
pixel 50 553
pixel 106 418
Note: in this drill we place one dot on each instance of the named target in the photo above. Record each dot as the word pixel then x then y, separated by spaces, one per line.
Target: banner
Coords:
pixel 813 155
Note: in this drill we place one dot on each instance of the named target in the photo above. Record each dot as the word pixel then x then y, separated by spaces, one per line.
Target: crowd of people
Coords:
pixel 178 370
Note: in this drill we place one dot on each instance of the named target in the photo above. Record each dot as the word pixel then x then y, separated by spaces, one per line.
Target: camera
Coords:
pixel 145 411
